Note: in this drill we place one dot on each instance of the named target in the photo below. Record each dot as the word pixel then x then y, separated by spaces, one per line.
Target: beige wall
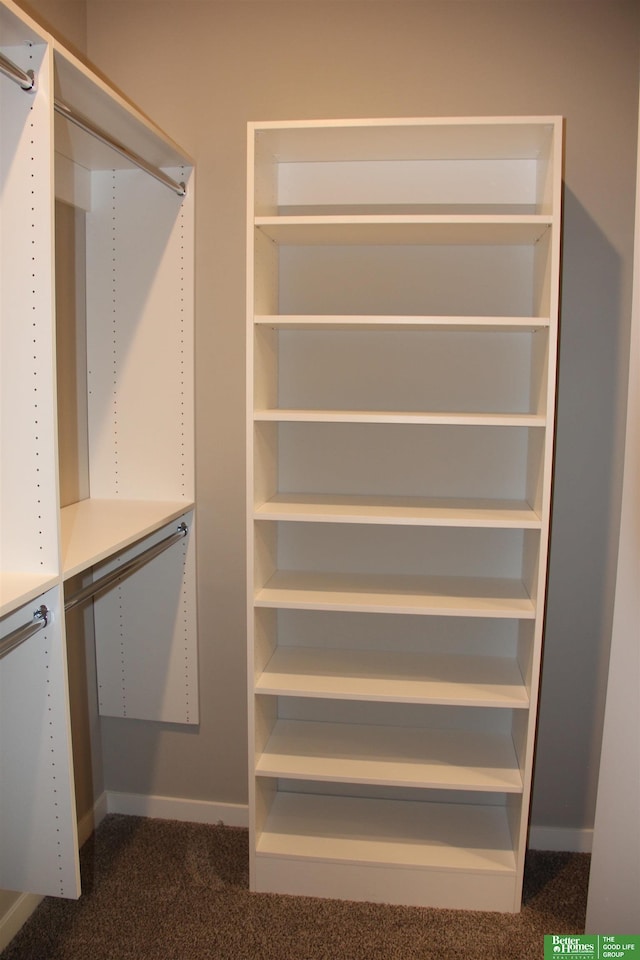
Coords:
pixel 201 70
pixel 65 19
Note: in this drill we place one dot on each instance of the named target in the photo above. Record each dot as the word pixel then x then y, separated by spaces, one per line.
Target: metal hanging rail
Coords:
pixel 89 127
pixel 120 573
pixel 24 78
pixel 27 81
pixel 16 637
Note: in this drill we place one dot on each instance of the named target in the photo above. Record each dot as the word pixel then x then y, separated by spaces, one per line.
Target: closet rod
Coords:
pixel 24 78
pixel 89 127
pixel 14 639
pixel 110 579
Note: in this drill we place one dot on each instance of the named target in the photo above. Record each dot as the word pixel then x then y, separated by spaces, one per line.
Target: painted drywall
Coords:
pixel 64 19
pixel 202 69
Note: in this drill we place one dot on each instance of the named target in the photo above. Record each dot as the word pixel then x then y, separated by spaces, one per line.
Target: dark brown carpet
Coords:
pixel 163 890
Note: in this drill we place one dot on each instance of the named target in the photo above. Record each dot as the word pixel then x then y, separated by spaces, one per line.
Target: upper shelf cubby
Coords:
pixel 387 167
pixel 87 95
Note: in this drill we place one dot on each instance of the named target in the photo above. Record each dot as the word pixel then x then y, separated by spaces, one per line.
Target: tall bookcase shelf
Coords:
pixel 402 325
pixel 96 436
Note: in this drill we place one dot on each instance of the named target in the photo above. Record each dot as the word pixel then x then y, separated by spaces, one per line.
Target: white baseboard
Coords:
pixel 177 808
pixel 91 820
pixel 574 840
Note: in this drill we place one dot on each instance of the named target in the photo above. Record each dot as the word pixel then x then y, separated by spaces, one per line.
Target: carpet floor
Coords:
pixel 164 890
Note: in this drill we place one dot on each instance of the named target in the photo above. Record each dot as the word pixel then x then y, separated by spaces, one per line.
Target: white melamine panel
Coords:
pixel 442 836
pixel 466 888
pixel 394 675
pixel 146 635
pixel 384 593
pixel 93 97
pixel 28 496
pixel 140 339
pixel 38 839
pixel 404 138
pixel 449 418
pixel 403 756
pixel 93 530
pixel 17 588
pixel 408 229
pixel 72 183
pixel 400 323
pixel 413 511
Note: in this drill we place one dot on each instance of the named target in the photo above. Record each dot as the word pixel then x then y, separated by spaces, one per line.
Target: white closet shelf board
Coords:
pixel 394 676
pixel 397 756
pixel 415 138
pixel 93 530
pixel 408 833
pixel 402 323
pixel 400 416
pixel 414 511
pixel 436 596
pixel 405 230
pixel 108 109
pixel 18 588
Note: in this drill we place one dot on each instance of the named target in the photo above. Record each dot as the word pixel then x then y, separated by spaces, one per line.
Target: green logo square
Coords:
pixel 595 947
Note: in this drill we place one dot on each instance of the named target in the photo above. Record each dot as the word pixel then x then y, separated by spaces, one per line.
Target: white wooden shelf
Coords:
pixel 279 415
pixel 414 511
pixel 402 323
pixel 398 756
pixel 405 230
pixel 94 530
pixel 394 676
pixel 18 588
pixel 446 837
pixel 436 596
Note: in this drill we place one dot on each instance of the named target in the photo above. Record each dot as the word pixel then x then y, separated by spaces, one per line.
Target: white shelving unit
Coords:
pixel 402 324
pixel 137 274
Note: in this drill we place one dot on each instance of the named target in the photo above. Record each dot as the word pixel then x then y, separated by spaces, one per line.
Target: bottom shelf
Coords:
pixel 458 856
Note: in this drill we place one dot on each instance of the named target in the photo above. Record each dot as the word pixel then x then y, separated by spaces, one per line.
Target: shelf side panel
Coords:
pixel 38 834
pixel 140 338
pixel 28 498
pixel 146 636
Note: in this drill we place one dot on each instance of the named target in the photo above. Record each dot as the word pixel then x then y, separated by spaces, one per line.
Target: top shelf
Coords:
pixel 411 138
pixel 422 166
pixel 87 94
